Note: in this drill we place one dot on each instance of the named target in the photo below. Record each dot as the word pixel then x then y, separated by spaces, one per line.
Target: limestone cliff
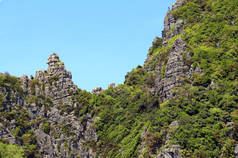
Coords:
pixel 58 132
pixel 171 67
pixel 48 99
pixel 181 103
pixel 170 71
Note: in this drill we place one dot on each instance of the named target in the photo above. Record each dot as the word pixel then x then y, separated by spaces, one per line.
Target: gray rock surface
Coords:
pixel 54 89
pixel 6 134
pixel 97 90
pixel 177 4
pixel 173 72
pixel 236 150
pixel 25 80
pixel 57 81
pixel 176 69
pixel 172 127
pixel 143 143
pixel 172 26
pixel 170 150
pixel 169 22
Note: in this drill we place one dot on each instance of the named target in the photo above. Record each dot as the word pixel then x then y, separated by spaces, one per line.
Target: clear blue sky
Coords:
pixel 98 40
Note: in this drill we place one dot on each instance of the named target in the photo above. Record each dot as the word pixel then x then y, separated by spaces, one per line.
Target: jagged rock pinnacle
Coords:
pixel 177 4
pixel 56 65
pixel 55 90
pixel 55 82
pixel 52 59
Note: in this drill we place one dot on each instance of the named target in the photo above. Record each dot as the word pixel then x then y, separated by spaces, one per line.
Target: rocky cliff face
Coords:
pixel 58 132
pixel 175 65
pixel 170 150
pixel 48 115
pixel 170 72
pixel 171 68
pixel 172 26
pixel 48 100
pixel 55 82
pixel 174 71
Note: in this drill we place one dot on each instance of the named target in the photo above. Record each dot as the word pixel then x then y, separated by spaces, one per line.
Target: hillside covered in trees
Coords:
pixel 183 102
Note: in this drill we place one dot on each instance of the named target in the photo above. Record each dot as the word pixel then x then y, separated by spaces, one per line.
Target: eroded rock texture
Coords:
pixel 173 71
pixel 170 71
pixel 48 101
pixel 170 150
pixel 236 150
pixel 172 26
pixel 57 81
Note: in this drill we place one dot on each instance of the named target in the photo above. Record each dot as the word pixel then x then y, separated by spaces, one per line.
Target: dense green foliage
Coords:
pixel 211 36
pixel 23 132
pixel 123 116
pixel 204 106
pixel 10 151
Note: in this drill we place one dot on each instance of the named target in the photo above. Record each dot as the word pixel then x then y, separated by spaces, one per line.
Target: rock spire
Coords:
pixel 57 81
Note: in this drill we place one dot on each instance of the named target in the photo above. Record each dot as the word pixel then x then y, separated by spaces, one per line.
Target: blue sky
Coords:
pixel 99 41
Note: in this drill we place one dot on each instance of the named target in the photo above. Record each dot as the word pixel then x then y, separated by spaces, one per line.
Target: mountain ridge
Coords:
pixel 181 103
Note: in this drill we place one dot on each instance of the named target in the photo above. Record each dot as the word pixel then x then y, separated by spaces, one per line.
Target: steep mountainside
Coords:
pixel 38 113
pixel 183 102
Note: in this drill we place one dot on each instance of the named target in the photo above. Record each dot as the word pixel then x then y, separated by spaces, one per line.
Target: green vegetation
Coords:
pixel 10 82
pixel 23 131
pixel 46 127
pixel 206 106
pixel 32 84
pixel 66 130
pixel 10 151
pixel 211 36
pixel 53 80
pixel 203 106
pixel 124 112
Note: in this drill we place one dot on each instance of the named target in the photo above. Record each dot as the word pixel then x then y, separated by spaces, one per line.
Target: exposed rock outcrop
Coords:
pixel 97 90
pixel 169 22
pixel 59 133
pixel 177 4
pixel 173 71
pixel 236 151
pixel 170 150
pixel 171 67
pixel 143 142
pixel 5 134
pixel 66 140
pixel 172 26
pixel 57 81
pixel 169 72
